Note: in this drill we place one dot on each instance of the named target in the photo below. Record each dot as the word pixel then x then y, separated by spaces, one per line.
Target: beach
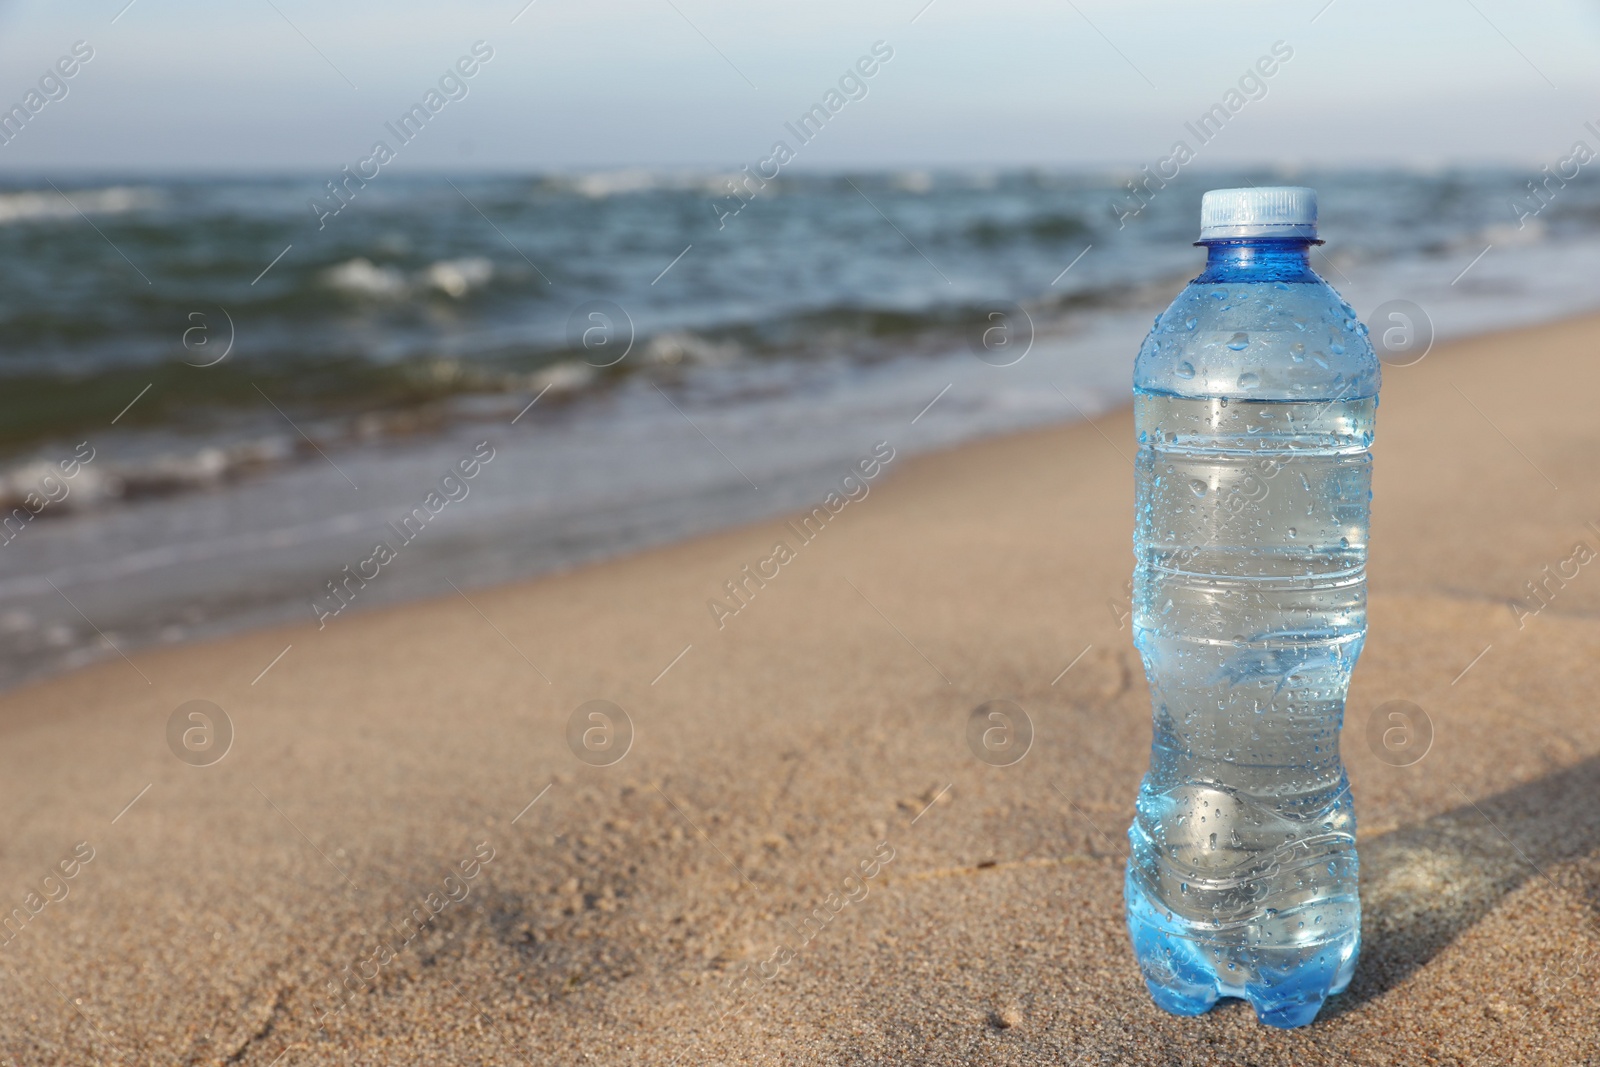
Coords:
pixel 304 401
pixel 799 858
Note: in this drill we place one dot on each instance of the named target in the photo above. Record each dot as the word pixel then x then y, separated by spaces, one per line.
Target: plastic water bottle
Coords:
pixel 1254 397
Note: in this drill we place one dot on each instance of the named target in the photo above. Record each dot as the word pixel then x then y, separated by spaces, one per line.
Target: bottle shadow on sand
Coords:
pixel 1423 886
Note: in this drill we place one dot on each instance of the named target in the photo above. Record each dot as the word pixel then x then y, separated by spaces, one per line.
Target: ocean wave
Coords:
pixel 606 184
pixel 455 278
pixel 338 373
pixel 96 484
pixel 28 205
pixel 350 402
pixel 915 182
pixel 361 277
pixel 412 312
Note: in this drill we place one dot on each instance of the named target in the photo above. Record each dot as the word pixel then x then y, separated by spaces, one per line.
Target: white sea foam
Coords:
pixel 103 481
pixel 361 277
pixel 453 277
pixel 48 204
pixel 602 184
pixel 457 277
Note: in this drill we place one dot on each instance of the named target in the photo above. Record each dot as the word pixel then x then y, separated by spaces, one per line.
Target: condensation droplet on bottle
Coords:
pixel 1292 532
pixel 1297 352
pixel 1213 841
pixel 1191 322
pixel 1249 379
pixel 1197 487
pixel 1185 370
pixel 1239 342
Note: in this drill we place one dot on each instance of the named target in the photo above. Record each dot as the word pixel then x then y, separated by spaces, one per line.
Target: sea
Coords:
pixel 263 390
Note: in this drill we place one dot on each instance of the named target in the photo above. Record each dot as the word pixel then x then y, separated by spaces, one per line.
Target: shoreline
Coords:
pixel 36 599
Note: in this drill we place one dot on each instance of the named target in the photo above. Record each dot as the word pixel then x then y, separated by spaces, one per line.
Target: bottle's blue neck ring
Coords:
pixel 1258 259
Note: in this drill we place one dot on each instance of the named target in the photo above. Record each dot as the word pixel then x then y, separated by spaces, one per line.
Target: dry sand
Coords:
pixel 632 914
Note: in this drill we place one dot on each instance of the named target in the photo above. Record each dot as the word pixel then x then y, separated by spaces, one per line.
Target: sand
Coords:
pixel 654 911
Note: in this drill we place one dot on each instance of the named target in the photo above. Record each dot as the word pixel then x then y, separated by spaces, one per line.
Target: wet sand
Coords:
pixel 808 761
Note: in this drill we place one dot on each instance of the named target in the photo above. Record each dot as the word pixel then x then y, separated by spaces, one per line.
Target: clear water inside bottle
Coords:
pixel 1249 613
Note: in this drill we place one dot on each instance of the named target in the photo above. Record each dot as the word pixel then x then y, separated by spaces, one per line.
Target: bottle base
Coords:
pixel 1187 972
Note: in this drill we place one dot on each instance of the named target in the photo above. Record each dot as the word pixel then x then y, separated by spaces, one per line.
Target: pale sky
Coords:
pixel 190 87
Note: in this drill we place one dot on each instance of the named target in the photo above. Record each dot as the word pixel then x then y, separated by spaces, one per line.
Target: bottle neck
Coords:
pixel 1258 259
